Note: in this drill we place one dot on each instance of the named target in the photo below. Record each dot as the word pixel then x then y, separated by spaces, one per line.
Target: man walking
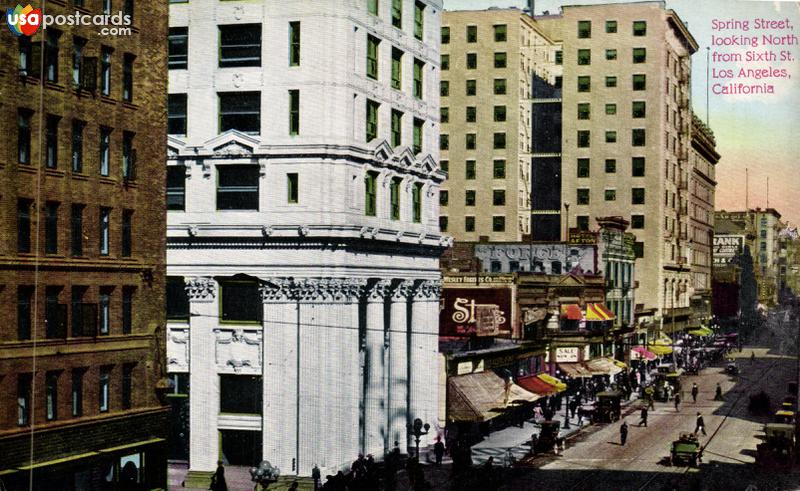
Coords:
pixel 677 401
pixel 701 425
pixel 438 451
pixel 649 394
pixel 643 422
pixel 623 433
pixel 695 390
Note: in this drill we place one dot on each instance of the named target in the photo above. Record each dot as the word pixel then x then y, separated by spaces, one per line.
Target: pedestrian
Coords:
pixel 218 479
pixel 573 406
pixel 752 357
pixel 643 422
pixel 695 391
pixel 293 487
pixel 623 432
pixel 315 475
pixel 677 402
pixel 438 450
pixel 534 441
pixel 718 393
pixel 701 425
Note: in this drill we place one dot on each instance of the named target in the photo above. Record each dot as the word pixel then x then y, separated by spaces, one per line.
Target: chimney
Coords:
pixel 530 7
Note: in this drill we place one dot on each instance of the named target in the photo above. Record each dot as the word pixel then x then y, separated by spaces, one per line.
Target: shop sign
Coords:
pixel 567 355
pixel 582 237
pixel 478 311
pixel 727 247
pixel 479 279
pixel 464 368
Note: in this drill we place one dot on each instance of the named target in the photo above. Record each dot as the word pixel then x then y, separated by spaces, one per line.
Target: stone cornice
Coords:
pixel 339 290
pixel 201 289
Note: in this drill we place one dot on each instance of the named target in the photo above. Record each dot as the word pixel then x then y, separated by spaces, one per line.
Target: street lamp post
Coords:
pixel 417 429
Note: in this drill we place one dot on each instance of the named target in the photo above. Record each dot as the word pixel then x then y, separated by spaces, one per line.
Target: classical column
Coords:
pixel 375 411
pixel 398 364
pixel 203 381
pixel 424 347
pixel 280 401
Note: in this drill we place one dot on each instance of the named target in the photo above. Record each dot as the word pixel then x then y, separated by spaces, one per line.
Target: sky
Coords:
pixel 757 132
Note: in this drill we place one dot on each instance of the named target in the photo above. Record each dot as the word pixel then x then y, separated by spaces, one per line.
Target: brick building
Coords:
pixel 82 259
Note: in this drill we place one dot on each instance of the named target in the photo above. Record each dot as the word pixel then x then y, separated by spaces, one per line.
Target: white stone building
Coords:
pixel 303 195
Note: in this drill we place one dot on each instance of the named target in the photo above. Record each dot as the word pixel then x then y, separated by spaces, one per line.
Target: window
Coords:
pixel 105 70
pixel 471 114
pixel 584 57
pixel 77 58
pixel 582 196
pixel 128 157
pixel 51 55
pixel 638 109
pixel 127 233
pixel 637 196
pixel 611 166
pixel 77 391
pixel 394 198
pixel 240 302
pixel 240 111
pixel 471 87
pixel 582 222
pixel 240 45
pixel 176 114
pixel 397 135
pixel 443 223
pixel 639 28
pixel 499 141
pixel 51 395
pixel 294 112
pixel 445 35
pixel 500 60
pixel 638 249
pixel 292 188
pixel 105 150
pixel 472 34
pixel 559 57
pixel 611 81
pixel 419 67
pixel 178 48
pixel 637 221
pixel 611 26
pixel 639 55
pixel 469 170
pixel 445 164
pixel 127 77
pixel 24 225
pixel 55 314
pixel 105 379
pixel 237 187
pixel 469 224
pixel 498 224
pixel 469 197
pixel 77 145
pixel 177 299
pixel 499 86
pixel 24 136
pixel 294 44
pixel 127 385
pixel 444 114
pixel 472 61
pixel 499 169
pixel 372 120
pixel 445 62
pixel 470 140
pixel 104 310
pixel 444 197
pixel 372 7
pixel 584 29
pixel 611 136
pixel 416 200
pixel 584 83
pixel 51 228
pixel 498 197
pixel 27 65
pixel 444 142
pixel 637 166
pixel 51 142
pixel 638 137
pixel 499 113
pixel 419 20
pixel 84 315
pixel 558 82
pixel 417 143
pixel 240 394
pixel 583 167
pixel 444 88
pixel 610 195
pixel 500 33
pixel 639 81
pixel 24 383
pixel 611 54
pixel 106 6
pixel 370 194
pixel 583 138
pixel 397 13
pixel 176 187
pixel 24 311
pixel 583 110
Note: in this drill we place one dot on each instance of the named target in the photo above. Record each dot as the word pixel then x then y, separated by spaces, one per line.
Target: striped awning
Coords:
pixel 571 311
pixel 598 312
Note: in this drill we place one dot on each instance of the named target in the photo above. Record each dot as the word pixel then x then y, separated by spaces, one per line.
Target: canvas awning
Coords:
pixel 542 384
pixel 603 366
pixel 598 312
pixel 481 396
pixel 701 331
pixel 644 352
pixel 575 370
pixel 571 311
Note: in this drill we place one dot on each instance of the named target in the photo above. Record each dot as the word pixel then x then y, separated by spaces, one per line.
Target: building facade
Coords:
pixel 303 231
pixel 626 137
pixel 488 61
pixel 82 259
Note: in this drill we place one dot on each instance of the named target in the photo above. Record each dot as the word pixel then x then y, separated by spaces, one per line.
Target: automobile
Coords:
pixel 686 450
pixel 731 368
pixel 608 406
pixel 548 436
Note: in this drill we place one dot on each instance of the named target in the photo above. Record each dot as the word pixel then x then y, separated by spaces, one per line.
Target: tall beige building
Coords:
pixel 488 61
pixel 626 137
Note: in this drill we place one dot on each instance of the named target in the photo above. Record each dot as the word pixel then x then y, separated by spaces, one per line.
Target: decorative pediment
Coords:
pixel 232 143
pixel 405 157
pixel 174 146
pixel 429 165
pixel 382 152
pixel 569 280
